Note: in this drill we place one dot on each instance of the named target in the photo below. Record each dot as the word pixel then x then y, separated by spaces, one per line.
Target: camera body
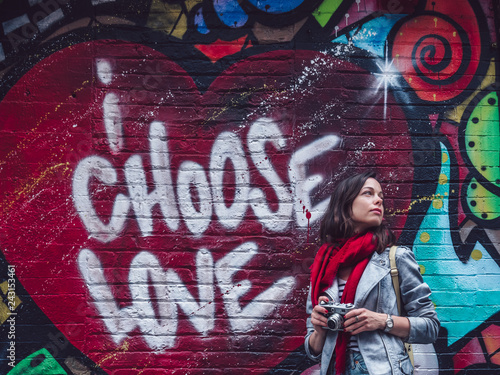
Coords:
pixel 335 315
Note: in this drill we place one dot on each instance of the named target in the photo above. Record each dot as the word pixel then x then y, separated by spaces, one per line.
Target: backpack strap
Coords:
pixel 395 275
pixel 395 282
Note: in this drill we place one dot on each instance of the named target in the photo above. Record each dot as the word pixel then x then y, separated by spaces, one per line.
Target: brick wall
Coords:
pixel 164 166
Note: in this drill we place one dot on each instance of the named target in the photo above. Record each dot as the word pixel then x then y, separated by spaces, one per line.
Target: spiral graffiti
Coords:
pixel 441 55
pixel 437 59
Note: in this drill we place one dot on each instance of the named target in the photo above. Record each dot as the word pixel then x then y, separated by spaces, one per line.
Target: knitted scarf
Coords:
pixel 354 252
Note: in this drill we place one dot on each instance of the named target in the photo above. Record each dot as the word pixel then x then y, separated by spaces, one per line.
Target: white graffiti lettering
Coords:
pixel 263 131
pixel 101 169
pixel 191 174
pixel 303 184
pixel 197 196
pixel 245 319
pixel 227 149
pixel 113 122
pixel 159 327
pixel 163 194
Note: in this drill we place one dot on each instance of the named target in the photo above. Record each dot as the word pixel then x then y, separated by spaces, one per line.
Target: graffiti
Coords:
pixel 40 362
pixel 479 137
pixel 191 174
pixel 164 166
pixel 237 15
pixel 159 334
pixel 8 290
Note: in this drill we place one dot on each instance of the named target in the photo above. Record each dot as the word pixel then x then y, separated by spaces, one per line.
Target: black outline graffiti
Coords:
pixel 425 141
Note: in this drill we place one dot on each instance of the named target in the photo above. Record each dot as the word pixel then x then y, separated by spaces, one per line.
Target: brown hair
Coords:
pixel 337 222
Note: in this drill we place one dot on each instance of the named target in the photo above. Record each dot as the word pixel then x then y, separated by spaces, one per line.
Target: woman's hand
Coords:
pixel 318 319
pixel 368 320
pixel 363 320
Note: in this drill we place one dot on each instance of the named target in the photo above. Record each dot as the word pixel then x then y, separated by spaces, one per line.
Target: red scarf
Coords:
pixel 354 252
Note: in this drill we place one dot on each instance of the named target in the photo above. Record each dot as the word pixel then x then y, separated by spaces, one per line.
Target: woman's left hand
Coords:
pixel 362 320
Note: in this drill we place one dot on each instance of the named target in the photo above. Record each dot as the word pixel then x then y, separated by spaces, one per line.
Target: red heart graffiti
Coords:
pixel 158 227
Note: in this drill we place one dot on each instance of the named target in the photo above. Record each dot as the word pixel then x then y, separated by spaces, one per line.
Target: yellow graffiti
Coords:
pixel 171 18
pixel 5 311
pixel 443 179
pixel 113 355
pixel 437 204
pixel 422 269
pixel 476 254
pixel 437 200
pixel 30 185
pixel 425 237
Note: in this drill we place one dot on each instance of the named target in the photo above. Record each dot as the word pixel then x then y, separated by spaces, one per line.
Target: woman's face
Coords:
pixel 367 207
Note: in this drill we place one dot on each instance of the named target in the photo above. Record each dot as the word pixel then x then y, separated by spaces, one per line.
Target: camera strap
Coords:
pixel 395 283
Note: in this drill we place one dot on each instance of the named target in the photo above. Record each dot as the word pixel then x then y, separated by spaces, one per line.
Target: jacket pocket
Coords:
pixel 405 366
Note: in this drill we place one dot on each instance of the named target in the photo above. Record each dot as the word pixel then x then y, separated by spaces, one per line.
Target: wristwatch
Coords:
pixel 389 323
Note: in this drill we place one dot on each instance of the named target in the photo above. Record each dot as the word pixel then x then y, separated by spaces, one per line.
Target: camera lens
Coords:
pixel 335 322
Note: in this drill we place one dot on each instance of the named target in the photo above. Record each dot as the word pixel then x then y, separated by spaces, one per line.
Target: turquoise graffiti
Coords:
pixel 465 293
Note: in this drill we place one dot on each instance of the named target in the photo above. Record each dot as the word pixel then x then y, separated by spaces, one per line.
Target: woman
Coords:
pixel 352 266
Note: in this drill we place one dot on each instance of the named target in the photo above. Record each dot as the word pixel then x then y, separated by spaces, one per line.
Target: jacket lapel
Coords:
pixel 375 271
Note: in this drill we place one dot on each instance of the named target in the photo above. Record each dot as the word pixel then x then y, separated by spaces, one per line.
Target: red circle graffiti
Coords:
pixel 433 51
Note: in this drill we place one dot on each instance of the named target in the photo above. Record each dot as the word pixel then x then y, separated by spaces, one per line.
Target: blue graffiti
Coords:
pixel 276 7
pixel 236 14
pixel 200 23
pixel 372 35
pixel 230 13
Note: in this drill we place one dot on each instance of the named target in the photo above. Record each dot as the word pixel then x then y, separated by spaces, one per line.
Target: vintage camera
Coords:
pixel 335 315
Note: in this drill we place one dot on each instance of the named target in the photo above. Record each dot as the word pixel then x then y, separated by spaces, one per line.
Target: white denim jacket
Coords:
pixel 383 353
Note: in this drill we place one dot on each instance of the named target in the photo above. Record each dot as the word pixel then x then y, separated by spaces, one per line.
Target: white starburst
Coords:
pixel 387 77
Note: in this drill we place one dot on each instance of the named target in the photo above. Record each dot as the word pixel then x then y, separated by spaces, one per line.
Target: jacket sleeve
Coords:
pixel 310 330
pixel 415 296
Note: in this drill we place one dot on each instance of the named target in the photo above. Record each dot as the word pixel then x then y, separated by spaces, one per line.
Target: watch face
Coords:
pixel 389 323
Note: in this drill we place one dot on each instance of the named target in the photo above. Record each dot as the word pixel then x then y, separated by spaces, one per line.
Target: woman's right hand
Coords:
pixel 318 319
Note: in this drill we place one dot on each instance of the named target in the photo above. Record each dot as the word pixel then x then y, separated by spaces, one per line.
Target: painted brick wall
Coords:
pixel 164 166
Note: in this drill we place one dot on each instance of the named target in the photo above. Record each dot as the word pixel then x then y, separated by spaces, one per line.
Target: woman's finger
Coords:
pixel 354 319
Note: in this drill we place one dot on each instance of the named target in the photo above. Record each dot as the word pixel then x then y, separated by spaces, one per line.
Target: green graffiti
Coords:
pixel 326 10
pixel 482 139
pixel 38 363
pixel 483 204
pixel 481 134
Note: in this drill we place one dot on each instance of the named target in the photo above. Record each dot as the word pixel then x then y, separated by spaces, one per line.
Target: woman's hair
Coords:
pixel 337 221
